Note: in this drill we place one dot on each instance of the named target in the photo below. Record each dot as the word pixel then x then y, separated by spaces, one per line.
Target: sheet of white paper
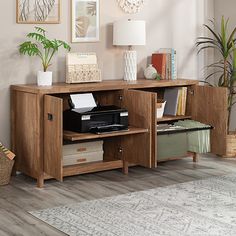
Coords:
pixel 83 100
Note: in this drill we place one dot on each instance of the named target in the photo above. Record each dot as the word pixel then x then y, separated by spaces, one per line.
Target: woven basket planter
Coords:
pixel 5 170
pixel 231 145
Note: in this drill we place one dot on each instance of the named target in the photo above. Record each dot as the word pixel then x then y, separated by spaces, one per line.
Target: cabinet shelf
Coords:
pixel 172 118
pixel 92 167
pixel 73 136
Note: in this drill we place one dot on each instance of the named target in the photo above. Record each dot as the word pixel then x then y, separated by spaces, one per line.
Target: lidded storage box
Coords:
pixel 82 68
pixel 81 153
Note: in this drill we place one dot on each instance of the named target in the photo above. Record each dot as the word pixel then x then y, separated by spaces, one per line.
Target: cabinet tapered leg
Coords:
pixel 40 181
pixel 195 157
pixel 125 168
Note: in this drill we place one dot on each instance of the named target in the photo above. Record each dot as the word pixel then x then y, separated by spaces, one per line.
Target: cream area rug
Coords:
pixel 204 207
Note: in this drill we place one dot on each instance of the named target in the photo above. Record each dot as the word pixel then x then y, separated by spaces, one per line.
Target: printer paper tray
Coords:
pixel 73 136
pixel 108 129
pixel 114 131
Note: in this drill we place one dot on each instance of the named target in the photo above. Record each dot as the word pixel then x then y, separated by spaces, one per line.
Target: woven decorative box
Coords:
pixel 82 68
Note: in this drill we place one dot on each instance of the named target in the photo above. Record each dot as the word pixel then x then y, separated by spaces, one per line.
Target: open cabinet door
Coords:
pixel 53 128
pixel 140 149
pixel 209 106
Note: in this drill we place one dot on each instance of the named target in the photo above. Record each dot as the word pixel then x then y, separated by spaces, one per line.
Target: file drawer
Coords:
pixel 171 146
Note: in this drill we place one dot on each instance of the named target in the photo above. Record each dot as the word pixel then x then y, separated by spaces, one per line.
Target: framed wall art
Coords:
pixel 38 11
pixel 131 6
pixel 85 20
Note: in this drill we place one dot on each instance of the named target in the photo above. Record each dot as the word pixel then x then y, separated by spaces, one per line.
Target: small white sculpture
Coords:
pixel 150 72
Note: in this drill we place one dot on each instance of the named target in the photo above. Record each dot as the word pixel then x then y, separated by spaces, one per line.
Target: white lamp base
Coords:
pixel 130 65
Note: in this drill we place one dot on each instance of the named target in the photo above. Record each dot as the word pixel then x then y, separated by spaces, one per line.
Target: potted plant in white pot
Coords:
pixel 224 70
pixel 45 49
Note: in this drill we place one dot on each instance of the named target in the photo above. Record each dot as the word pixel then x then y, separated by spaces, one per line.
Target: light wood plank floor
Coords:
pixel 22 195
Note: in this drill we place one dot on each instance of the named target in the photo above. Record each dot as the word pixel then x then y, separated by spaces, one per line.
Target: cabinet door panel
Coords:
pixel 209 105
pixel 53 128
pixel 26 133
pixel 141 149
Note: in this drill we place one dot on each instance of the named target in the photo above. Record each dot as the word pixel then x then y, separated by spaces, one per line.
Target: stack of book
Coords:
pixel 182 100
pixel 165 62
pixel 82 153
pixel 175 101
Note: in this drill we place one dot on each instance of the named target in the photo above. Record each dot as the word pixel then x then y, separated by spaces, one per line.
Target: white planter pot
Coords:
pixel 160 109
pixel 44 78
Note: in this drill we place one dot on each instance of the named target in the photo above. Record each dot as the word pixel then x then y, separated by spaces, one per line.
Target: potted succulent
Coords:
pixel 44 48
pixel 224 69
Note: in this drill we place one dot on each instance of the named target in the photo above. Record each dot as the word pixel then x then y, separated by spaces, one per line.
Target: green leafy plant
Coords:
pixel 41 46
pixel 225 68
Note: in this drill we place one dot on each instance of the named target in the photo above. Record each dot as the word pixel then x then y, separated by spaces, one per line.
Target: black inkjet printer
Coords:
pixel 98 119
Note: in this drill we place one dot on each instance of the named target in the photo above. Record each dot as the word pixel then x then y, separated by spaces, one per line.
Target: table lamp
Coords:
pixel 129 33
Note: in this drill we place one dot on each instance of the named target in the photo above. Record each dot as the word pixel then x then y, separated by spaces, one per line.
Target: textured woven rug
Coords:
pixel 204 207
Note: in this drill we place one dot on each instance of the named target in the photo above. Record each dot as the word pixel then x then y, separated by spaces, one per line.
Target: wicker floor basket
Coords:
pixel 231 145
pixel 5 170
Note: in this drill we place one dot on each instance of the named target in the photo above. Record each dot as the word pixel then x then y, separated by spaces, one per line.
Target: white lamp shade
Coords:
pixel 129 33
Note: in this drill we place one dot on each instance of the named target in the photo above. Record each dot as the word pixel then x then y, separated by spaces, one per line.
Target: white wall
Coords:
pixel 170 23
pixel 227 8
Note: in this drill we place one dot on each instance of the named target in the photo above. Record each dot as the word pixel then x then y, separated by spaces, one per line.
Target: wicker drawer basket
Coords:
pixel 5 170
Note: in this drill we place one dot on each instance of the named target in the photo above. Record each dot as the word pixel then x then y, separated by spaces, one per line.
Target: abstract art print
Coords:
pixel 38 11
pixel 85 20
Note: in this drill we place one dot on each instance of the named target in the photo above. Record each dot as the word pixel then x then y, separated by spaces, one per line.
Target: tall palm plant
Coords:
pixel 225 68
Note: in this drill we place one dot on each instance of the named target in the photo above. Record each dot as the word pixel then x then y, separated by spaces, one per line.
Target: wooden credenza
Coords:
pixel 38 141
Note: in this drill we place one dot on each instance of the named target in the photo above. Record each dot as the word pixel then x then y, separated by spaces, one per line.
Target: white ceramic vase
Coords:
pixel 150 72
pixel 44 78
